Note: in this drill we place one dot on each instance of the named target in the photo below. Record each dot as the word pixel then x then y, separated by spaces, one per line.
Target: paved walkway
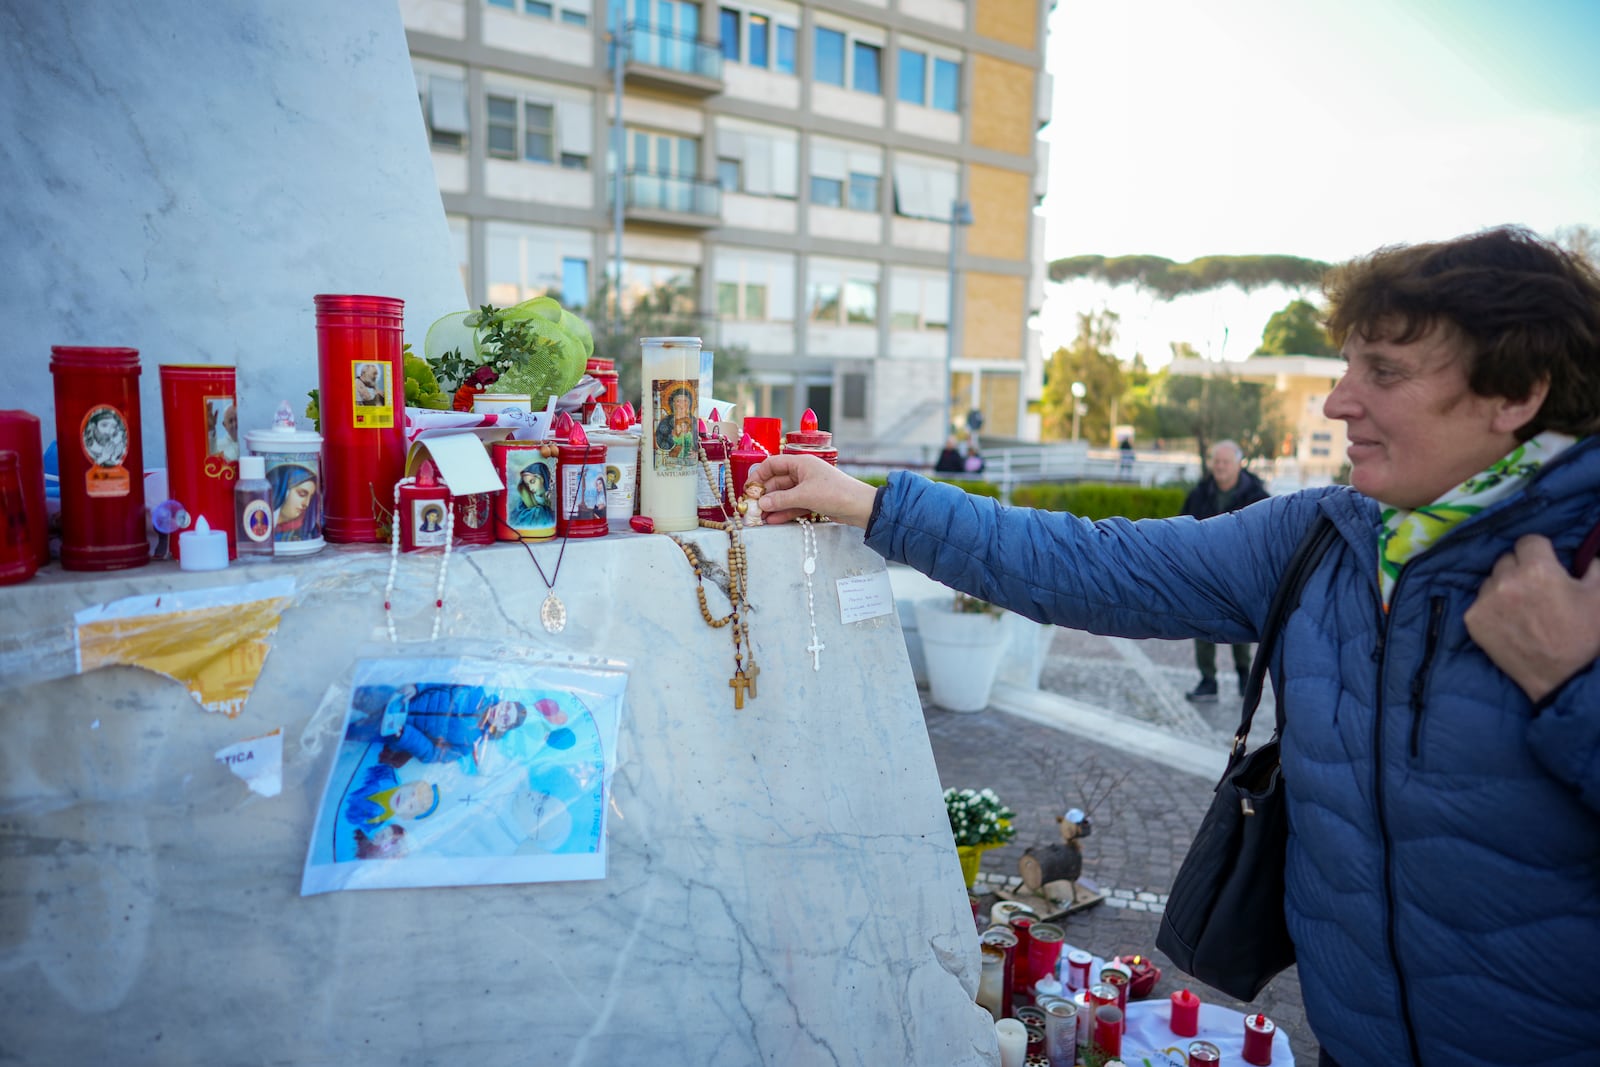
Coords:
pixel 1109 720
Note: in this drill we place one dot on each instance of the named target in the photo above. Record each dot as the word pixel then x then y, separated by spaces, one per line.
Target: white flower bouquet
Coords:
pixel 978 818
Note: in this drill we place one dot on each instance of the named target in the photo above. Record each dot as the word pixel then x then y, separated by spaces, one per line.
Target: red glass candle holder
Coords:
pixel 200 413
pixel 581 473
pixel 100 455
pixel 19 433
pixel 474 519
pixel 745 456
pixel 765 431
pixel 17 561
pixel 1021 965
pixel 360 381
pixel 808 440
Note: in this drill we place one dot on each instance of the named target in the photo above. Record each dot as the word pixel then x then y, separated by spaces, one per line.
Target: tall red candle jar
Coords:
pixel 1044 949
pixel 293 459
pixel 200 413
pixel 17 561
pixel 808 440
pixel 100 454
pixel 526 509
pixel 1021 964
pixel 711 499
pixel 581 473
pixel 360 378
pixel 474 519
pixel 19 433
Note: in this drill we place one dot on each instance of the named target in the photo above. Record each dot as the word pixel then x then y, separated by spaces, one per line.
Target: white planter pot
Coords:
pixel 907 610
pixel 962 653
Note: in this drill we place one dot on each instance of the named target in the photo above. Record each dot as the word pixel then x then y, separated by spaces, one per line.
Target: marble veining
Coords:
pixel 781 890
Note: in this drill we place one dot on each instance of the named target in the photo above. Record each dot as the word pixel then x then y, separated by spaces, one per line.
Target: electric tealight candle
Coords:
pixel 202 548
pixel 1185 1013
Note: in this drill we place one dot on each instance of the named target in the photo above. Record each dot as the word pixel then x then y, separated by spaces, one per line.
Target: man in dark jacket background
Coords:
pixel 1228 487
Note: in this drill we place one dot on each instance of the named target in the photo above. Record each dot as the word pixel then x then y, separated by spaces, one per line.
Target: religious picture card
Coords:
pixel 461 771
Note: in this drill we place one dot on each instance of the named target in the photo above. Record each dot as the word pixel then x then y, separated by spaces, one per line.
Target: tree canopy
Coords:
pixel 1211 409
pixel 1088 360
pixel 1167 279
pixel 1296 331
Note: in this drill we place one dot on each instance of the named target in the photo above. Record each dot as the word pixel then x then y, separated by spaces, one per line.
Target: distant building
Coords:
pixel 1316 446
pixel 794 163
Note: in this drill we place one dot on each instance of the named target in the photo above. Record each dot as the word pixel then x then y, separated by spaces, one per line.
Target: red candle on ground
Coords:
pixel 1108 1030
pixel 1258 1031
pixel 1185 1013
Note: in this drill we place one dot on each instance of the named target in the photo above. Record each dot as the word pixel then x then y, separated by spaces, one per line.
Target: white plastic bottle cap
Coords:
pixel 251 467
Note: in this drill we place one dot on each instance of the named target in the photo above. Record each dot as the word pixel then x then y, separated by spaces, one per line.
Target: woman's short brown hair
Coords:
pixel 1528 310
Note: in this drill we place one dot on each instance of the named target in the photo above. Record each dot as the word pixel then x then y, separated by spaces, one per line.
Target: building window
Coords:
pixel 574 18
pixel 539 132
pixel 924 187
pixel 919 300
pixel 509 5
pixel 728 25
pixel 676 281
pixel 846 174
pixel 828 192
pixel 540 8
pixel 502 139
pixel 830 57
pixel 842 293
pixel 758 160
pixel 864 74
pixel 786 41
pixel 864 192
pixel 757 38
pixel 444 106
pixel 574 283
pixel 757 31
pixel 523 262
pixel 913 76
pixel 946 84
pixel 755 286
pixel 854 402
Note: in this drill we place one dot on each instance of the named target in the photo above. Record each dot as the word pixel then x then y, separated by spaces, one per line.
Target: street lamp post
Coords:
pixel 1079 391
pixel 960 215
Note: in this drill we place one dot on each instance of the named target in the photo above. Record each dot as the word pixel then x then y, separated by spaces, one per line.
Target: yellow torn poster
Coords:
pixel 211 641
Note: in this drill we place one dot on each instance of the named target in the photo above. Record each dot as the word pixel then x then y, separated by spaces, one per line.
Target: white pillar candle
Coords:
pixel 669 458
pixel 1013 1042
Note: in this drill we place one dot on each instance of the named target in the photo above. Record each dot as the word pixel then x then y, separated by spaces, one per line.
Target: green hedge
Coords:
pixel 1096 501
pixel 968 485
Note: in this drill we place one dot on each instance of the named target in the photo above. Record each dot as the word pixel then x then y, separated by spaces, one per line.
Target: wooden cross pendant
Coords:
pixel 738 683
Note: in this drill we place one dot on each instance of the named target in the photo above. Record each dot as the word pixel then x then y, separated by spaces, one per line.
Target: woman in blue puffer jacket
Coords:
pixel 1442 752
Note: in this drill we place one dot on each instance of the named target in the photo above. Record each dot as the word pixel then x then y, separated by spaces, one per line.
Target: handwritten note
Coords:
pixel 864 596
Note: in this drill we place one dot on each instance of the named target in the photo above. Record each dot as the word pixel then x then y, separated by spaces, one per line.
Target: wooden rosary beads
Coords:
pixel 745 670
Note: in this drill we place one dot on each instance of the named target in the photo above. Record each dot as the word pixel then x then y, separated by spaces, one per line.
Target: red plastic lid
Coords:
pixel 79 357
pixel 354 302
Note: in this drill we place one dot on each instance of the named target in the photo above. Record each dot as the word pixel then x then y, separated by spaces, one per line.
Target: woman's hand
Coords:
pixel 1534 620
pixel 798 485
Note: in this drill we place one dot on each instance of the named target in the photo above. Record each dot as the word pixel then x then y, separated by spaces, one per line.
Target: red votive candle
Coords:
pixel 17 562
pixel 1185 1013
pixel 1204 1054
pixel 361 395
pixel 1021 965
pixel 19 433
pixel 526 509
pixel 1044 949
pixel 1258 1031
pixel 581 473
pixel 200 414
pixel 1108 1030
pixel 424 514
pixel 1006 938
pixel 808 440
pixel 711 494
pixel 766 432
pixel 100 454
pixel 745 456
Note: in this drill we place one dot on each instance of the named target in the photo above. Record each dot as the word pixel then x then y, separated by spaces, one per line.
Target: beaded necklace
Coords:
pixel 394 568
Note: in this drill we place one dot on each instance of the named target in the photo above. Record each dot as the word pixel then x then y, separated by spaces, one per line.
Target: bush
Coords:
pixel 1097 501
pixel 967 485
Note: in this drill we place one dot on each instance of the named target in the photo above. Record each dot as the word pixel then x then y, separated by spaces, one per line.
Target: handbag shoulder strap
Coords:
pixel 1285 599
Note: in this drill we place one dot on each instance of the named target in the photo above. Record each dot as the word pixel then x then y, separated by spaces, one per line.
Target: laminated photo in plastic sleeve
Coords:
pixel 462 771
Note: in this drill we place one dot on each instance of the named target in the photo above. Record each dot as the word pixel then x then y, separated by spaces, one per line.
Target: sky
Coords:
pixel 1299 127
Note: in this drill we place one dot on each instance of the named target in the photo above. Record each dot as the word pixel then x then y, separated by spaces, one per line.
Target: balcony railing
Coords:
pixel 647 192
pixel 674 52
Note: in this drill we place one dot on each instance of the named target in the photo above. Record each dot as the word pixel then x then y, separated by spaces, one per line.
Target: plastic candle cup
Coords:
pixel 1185 1013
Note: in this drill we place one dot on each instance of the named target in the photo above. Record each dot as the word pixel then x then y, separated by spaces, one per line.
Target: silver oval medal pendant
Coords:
pixel 553 613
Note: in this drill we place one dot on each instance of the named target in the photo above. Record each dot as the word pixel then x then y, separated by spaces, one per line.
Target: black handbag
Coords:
pixel 1224 921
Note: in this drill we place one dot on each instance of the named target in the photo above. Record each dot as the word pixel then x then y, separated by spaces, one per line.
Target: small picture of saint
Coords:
pixel 530 496
pixel 677 443
pixel 259 523
pixel 432 518
pixel 372 385
pixel 222 427
pixel 105 436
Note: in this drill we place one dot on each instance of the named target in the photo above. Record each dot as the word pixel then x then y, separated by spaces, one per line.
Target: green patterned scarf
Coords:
pixel 1404 535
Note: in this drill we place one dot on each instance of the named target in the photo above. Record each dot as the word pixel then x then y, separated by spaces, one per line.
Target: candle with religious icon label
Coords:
pixel 581 473
pixel 526 509
pixel 621 441
pixel 200 414
pixel 474 519
pixel 293 458
pixel 669 464
pixel 809 440
pixel 424 513
pixel 712 493
pixel 20 433
pixel 361 397
pixel 1258 1031
pixel 100 456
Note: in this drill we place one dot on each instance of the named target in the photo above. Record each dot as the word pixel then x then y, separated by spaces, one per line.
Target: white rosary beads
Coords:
pixel 808 544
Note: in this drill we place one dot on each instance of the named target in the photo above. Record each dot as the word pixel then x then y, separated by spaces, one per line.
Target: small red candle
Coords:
pixel 581 473
pixel 1108 1030
pixel 744 457
pixel 20 433
pixel 1021 968
pixel 1258 1031
pixel 1185 1013
pixel 424 514
pixel 766 432
pixel 811 441
pixel 712 503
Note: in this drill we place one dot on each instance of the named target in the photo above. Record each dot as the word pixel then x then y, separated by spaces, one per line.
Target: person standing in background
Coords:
pixel 1228 487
